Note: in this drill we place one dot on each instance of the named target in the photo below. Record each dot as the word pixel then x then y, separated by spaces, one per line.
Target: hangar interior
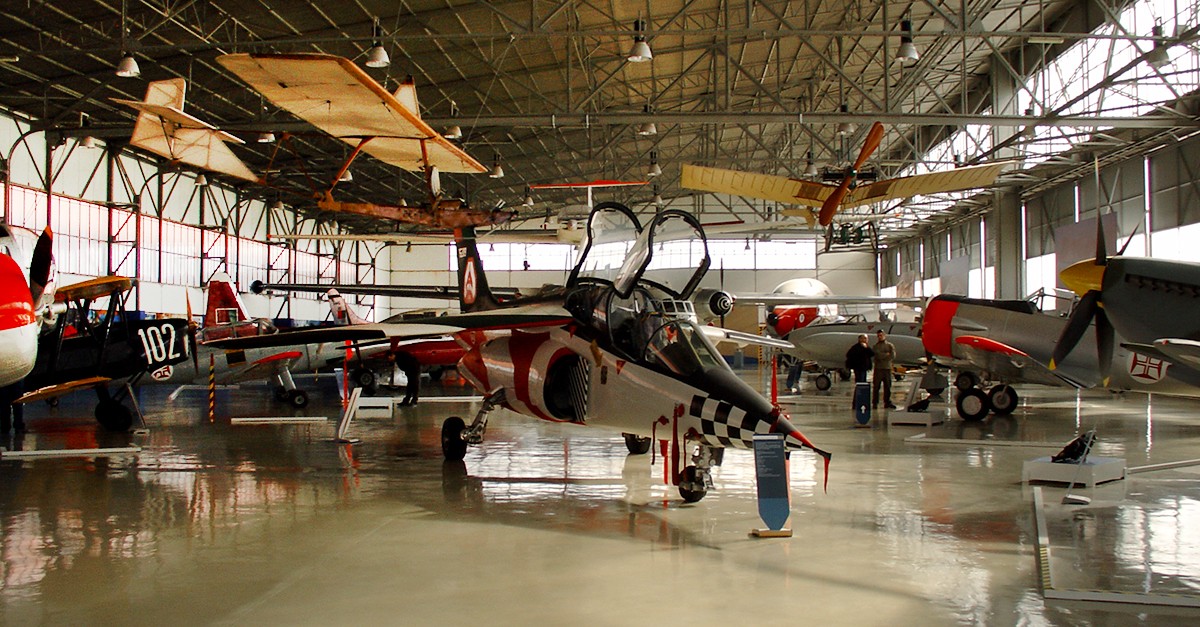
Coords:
pixel 1093 103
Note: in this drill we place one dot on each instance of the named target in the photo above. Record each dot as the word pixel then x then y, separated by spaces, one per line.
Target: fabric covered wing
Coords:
pixel 765 186
pixel 956 180
pixel 336 96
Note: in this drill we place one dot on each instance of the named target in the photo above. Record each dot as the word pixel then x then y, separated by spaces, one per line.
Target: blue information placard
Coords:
pixel 770 467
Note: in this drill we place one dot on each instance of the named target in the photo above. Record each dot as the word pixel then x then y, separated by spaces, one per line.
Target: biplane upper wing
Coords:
pixel 336 96
pixel 164 129
pixel 812 194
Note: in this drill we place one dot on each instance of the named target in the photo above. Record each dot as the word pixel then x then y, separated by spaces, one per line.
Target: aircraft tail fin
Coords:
pixel 224 303
pixel 342 313
pixel 473 291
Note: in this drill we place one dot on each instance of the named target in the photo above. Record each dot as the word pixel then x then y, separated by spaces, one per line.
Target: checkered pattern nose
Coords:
pixel 725 425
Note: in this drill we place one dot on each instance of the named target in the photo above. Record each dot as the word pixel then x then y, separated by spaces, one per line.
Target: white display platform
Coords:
pixel 923 418
pixel 1093 471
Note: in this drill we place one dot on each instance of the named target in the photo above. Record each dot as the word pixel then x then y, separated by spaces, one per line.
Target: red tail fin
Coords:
pixel 342 313
pixel 224 303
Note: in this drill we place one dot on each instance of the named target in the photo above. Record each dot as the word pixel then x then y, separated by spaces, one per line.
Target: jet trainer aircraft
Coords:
pixel 622 331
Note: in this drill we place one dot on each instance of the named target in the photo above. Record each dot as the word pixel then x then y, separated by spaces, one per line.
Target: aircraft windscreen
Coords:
pixel 682 348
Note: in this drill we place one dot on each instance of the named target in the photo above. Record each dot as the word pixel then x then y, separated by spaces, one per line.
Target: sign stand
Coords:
pixel 347 416
pixel 770 467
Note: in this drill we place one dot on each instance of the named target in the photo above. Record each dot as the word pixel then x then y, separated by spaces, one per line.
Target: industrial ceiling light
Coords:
pixel 844 128
pixel 1158 57
pixel 528 197
pixel 265 137
pixel 453 131
pixel 201 180
pixel 88 141
pixel 655 170
pixel 907 55
pixel 277 205
pixel 497 171
pixel 346 177
pixel 658 199
pixel 811 169
pixel 377 56
pixel 647 128
pixel 128 67
pixel 640 52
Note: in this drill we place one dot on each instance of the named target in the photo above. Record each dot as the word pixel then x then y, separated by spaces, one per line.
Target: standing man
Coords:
pixel 885 354
pixel 859 359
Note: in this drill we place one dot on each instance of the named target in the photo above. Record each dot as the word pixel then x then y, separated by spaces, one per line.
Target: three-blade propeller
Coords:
pixel 831 204
pixel 1087 279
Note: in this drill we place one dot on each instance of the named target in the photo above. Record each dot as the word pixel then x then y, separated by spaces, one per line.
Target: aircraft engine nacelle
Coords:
pixel 784 320
pixel 711 304
pixel 541 376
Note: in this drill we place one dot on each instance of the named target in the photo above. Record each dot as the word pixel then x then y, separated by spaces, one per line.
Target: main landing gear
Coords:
pixel 637 444
pixel 456 435
pixel 973 404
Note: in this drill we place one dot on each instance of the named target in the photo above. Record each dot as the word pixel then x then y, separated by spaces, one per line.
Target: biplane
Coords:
pixel 87 348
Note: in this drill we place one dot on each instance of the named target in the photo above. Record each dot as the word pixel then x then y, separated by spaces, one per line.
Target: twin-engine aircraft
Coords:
pixel 618 349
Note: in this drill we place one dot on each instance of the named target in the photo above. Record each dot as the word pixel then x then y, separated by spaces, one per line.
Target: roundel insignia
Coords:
pixel 162 374
pixel 1145 368
pixel 468 288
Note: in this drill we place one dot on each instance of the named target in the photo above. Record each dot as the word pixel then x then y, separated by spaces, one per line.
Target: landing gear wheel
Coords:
pixel 972 405
pixel 823 382
pixel 691 477
pixel 1003 399
pixel 281 394
pixel 298 399
pixel 365 379
pixel 435 374
pixel 454 448
pixel 966 380
pixel 114 416
pixel 636 444
pixel 843 374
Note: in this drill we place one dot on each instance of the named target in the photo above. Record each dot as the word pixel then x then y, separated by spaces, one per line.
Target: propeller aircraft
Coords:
pixel 622 328
pixel 27 277
pixel 828 199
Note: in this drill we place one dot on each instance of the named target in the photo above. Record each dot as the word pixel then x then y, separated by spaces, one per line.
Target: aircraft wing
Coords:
pixel 1007 362
pixel 336 96
pixel 499 319
pixel 164 129
pixel 398 291
pixel 718 335
pixel 793 299
pixel 1180 351
pixel 813 194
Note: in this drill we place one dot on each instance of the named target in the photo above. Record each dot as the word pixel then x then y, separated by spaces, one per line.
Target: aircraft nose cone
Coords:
pixel 17 310
pixel 1083 277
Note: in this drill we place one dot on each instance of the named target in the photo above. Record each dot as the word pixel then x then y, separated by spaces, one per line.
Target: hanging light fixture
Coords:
pixel 907 55
pixel 377 56
pixel 265 137
pixel 658 199
pixel 640 52
pixel 811 169
pixel 844 128
pixel 655 170
pixel 346 177
pixel 497 171
pixel 647 128
pixel 128 66
pixel 277 205
pixel 528 197
pixel 453 131
pixel 201 180
pixel 87 141
pixel 1158 57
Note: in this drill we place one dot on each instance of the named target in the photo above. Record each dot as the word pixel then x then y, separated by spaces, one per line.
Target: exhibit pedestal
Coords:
pixel 1093 471
pixel 923 418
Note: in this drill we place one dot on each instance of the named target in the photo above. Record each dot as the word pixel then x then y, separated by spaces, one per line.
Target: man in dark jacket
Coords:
pixel 885 354
pixel 859 359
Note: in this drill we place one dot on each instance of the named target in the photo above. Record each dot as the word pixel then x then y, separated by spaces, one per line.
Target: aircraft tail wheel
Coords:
pixel 114 416
pixel 966 380
pixel 691 485
pixel 822 382
pixel 972 405
pixel 298 399
pixel 454 447
pixel 637 444
pixel 1003 399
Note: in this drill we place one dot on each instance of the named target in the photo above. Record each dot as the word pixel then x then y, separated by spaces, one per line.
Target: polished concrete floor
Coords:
pixel 556 524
